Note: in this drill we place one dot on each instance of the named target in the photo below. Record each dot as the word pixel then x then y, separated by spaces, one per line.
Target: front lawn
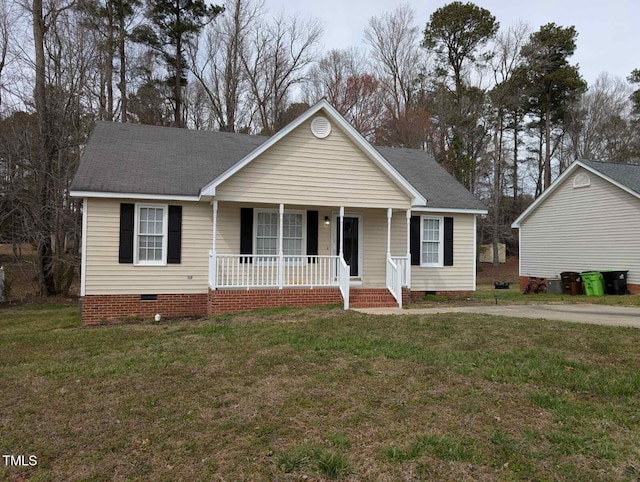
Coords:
pixel 318 393
pixel 487 295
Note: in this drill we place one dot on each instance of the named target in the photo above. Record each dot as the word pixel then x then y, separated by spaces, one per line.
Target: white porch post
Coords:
pixel 389 214
pixel 213 271
pixel 281 249
pixel 341 230
pixel 408 263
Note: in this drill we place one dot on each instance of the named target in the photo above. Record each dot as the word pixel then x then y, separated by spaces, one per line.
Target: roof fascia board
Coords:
pixel 417 198
pixel 450 210
pixel 123 195
pixel 560 180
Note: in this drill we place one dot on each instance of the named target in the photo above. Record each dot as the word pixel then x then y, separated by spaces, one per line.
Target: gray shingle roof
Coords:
pixel 439 187
pixel 626 174
pixel 139 159
pixel 134 158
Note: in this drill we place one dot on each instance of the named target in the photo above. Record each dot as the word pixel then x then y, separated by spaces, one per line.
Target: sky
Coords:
pixel 608 33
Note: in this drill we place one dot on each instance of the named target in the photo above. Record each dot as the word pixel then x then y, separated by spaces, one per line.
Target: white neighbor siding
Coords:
pixel 588 228
pixel 105 275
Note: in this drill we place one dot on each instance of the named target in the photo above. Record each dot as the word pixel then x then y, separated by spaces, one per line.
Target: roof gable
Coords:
pixel 303 169
pixel 623 176
pixel 333 115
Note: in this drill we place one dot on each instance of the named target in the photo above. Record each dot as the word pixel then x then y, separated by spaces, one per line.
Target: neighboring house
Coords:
pixel 182 222
pixel 587 220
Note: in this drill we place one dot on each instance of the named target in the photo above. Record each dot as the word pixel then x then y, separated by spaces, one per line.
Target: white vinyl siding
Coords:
pixel 301 169
pixel 594 227
pixel 105 275
pixel 458 277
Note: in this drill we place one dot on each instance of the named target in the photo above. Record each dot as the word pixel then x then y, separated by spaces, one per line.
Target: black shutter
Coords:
pixel 448 241
pixel 174 243
pixel 246 233
pixel 125 254
pixel 312 234
pixel 414 240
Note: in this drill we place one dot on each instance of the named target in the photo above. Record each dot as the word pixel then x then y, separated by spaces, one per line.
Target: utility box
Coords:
pixel 554 286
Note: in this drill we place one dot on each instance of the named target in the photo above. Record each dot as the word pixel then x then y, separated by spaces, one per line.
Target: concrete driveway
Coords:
pixel 577 313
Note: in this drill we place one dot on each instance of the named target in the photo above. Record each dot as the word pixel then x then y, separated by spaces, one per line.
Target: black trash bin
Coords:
pixel 571 283
pixel 615 282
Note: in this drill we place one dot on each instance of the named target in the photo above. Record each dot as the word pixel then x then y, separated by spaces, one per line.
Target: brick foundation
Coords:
pixel 99 308
pixel 524 281
pixel 229 301
pixel 418 295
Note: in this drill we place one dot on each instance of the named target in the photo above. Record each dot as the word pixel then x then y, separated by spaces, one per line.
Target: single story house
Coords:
pixel 587 220
pixel 181 222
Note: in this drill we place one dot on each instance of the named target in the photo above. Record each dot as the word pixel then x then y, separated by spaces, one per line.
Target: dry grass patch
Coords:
pixel 282 394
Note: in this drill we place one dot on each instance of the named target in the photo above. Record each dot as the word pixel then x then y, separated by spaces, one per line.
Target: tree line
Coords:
pixel 502 108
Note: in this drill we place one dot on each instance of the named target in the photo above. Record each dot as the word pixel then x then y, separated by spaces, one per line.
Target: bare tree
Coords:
pixel 599 126
pixel 276 61
pixel 342 77
pixel 397 57
pixel 219 68
pixel 5 21
pixel 506 98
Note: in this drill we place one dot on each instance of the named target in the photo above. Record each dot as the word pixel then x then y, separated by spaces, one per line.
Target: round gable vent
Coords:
pixel 320 127
pixel 581 180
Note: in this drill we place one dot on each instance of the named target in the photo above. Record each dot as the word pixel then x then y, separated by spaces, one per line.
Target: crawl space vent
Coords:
pixel 320 127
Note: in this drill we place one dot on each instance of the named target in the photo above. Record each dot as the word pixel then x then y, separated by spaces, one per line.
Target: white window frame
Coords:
pixel 440 262
pixel 277 211
pixel 136 237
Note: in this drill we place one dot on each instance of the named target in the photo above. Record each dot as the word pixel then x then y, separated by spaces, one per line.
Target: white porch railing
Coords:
pixel 394 280
pixel 344 277
pixel 403 264
pixel 269 271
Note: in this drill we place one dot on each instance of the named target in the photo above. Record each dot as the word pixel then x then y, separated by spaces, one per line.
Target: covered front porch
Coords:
pixel 310 248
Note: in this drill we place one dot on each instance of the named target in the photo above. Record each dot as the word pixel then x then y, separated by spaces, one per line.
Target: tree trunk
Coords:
pixel 547 137
pixel 540 161
pixel 109 61
pixel 497 173
pixel 177 85
pixel 44 176
pixel 123 70
pixel 514 176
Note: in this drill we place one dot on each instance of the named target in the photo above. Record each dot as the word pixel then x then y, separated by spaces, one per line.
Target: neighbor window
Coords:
pixel 431 241
pixel 151 234
pixel 267 229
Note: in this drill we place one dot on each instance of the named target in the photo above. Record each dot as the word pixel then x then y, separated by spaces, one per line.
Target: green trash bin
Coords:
pixel 593 283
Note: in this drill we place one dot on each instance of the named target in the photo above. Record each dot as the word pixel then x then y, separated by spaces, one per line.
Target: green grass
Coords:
pixel 486 295
pixel 318 393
